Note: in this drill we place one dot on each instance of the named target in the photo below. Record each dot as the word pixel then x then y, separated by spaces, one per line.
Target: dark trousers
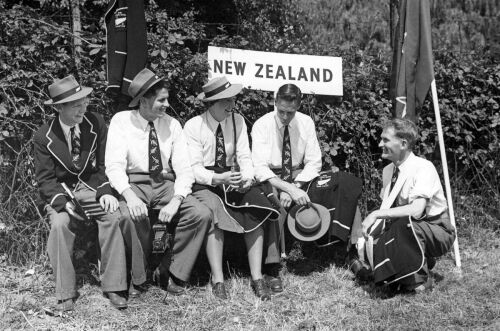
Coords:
pixel 60 248
pixel 435 241
pixel 191 225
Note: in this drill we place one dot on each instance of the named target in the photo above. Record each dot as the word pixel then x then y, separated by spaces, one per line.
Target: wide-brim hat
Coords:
pixel 219 88
pixel 66 90
pixel 141 83
pixel 308 223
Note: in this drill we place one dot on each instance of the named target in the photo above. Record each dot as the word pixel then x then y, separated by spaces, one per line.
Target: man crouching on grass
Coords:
pixel 412 227
pixel 69 151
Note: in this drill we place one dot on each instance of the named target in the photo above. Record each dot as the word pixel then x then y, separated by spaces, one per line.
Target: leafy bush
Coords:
pixel 35 51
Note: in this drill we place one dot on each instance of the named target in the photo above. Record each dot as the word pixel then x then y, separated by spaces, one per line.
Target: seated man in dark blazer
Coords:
pixel 69 150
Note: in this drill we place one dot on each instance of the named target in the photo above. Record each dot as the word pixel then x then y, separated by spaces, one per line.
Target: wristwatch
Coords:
pixel 179 197
pixel 298 184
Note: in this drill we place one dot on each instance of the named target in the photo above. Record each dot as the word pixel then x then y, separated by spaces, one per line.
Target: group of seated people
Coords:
pixel 204 179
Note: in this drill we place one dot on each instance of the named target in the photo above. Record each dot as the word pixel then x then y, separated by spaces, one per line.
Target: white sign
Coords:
pixel 268 71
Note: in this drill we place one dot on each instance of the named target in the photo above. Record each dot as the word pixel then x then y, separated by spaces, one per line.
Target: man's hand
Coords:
pixel 246 184
pixel 299 196
pixel 367 222
pixel 70 209
pixel 138 209
pixel 235 179
pixel 285 200
pixel 109 203
pixel 169 211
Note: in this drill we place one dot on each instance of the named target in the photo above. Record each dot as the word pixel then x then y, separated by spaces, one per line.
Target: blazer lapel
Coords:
pixel 87 137
pixel 58 146
pixel 389 197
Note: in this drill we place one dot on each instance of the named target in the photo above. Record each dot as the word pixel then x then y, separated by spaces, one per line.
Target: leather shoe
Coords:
pixel 274 283
pixel 261 290
pixel 135 290
pixel 219 290
pixel 427 286
pixel 117 300
pixel 175 289
pixel 64 305
pixel 361 269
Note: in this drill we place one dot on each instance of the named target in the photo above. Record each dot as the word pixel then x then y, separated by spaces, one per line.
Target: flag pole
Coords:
pixel 458 261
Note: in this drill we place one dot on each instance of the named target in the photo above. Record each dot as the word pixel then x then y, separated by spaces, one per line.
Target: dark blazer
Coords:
pixel 126 42
pixel 53 160
pixel 339 192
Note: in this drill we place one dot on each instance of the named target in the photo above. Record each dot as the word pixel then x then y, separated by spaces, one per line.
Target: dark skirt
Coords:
pixel 241 212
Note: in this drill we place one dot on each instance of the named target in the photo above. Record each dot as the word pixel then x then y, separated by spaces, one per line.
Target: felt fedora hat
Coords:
pixel 308 223
pixel 66 90
pixel 141 83
pixel 219 88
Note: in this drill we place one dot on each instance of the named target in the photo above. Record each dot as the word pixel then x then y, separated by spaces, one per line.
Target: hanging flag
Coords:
pixel 412 71
pixel 126 42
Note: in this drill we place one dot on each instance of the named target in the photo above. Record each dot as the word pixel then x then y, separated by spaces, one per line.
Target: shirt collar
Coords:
pixel 67 128
pixel 142 121
pixel 280 125
pixel 407 164
pixel 213 123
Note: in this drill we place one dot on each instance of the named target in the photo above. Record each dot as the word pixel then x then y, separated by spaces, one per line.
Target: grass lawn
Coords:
pixel 320 294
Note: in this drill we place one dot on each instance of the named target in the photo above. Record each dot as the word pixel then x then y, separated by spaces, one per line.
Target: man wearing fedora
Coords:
pixel 222 165
pixel 412 226
pixel 145 149
pixel 286 153
pixel 69 150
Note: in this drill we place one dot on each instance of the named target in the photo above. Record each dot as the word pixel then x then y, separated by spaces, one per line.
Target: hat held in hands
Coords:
pixel 308 223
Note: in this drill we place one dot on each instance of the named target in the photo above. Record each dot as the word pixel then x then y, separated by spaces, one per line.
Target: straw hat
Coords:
pixel 141 84
pixel 219 88
pixel 66 90
pixel 308 223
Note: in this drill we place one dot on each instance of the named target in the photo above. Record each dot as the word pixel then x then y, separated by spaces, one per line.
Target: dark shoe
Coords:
pixel 64 305
pixel 274 283
pixel 219 290
pixel 359 268
pixel 117 300
pixel 175 289
pixel 261 290
pixel 135 291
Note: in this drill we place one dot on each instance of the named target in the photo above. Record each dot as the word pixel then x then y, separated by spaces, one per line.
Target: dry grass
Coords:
pixel 320 295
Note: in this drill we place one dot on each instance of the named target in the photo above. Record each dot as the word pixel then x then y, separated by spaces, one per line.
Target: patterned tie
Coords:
pixel 155 166
pixel 286 157
pixel 394 178
pixel 220 148
pixel 75 149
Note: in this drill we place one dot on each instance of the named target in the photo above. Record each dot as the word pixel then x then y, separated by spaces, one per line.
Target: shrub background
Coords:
pixel 36 48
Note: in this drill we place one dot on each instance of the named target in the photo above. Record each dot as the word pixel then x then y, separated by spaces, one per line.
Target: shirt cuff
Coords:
pixel 305 176
pixel 264 174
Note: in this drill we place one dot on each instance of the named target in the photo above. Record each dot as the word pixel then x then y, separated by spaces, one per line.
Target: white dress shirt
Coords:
pixel 267 145
pixel 127 150
pixel 201 136
pixel 67 134
pixel 421 181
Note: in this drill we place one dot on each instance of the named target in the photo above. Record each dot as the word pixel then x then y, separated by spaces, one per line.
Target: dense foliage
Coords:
pixel 36 48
